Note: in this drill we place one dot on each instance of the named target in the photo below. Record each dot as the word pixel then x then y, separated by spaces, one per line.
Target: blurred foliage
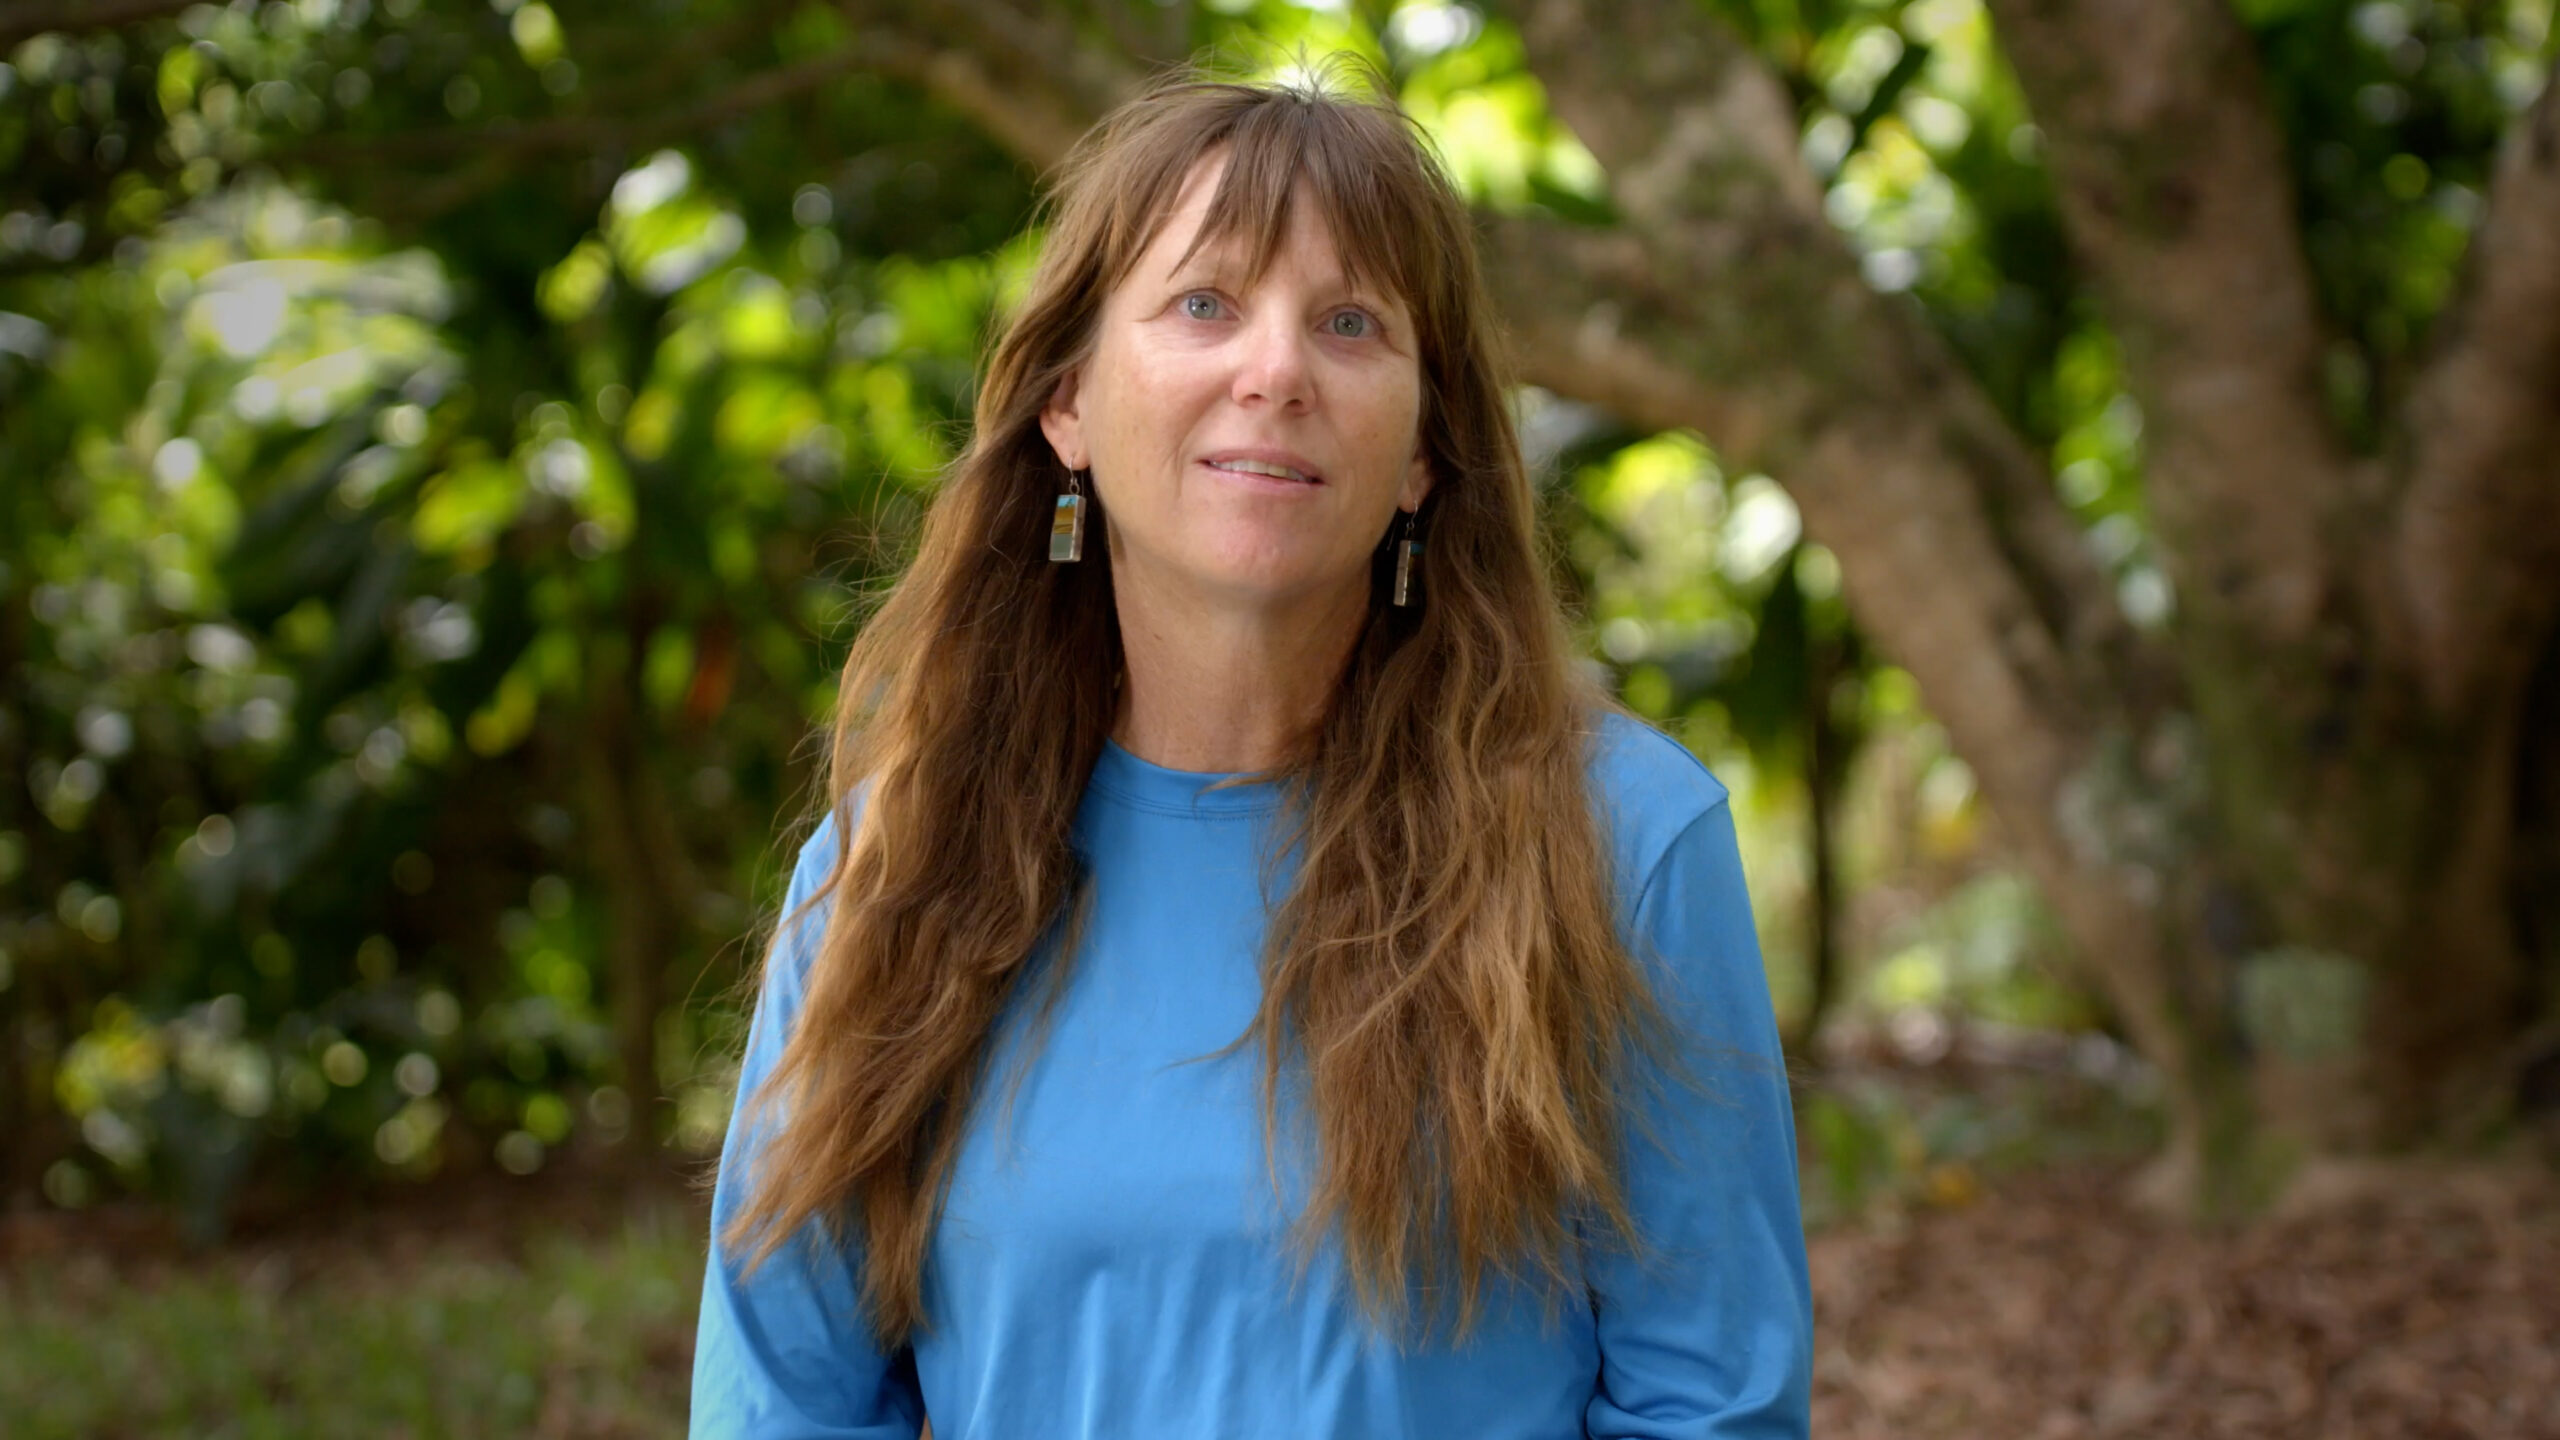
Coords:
pixel 587 1334
pixel 402 617
pixel 444 448
pixel 1880 1145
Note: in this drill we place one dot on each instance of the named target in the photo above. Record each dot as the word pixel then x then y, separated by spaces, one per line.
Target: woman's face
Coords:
pixel 1193 374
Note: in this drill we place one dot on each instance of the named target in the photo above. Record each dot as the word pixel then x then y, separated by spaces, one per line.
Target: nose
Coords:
pixel 1272 361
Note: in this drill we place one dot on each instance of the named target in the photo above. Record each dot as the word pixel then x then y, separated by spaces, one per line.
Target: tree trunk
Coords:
pixel 1826 752
pixel 2538 900
pixel 645 879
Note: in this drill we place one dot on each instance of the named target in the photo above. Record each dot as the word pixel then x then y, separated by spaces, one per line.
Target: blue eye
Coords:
pixel 1368 325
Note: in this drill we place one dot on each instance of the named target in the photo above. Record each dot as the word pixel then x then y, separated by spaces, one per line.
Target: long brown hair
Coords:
pixel 1444 965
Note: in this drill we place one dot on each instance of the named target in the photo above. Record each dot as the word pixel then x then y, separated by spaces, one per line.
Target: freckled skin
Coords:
pixel 1188 362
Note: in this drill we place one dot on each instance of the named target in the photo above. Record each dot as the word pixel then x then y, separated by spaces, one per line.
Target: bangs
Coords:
pixel 1347 158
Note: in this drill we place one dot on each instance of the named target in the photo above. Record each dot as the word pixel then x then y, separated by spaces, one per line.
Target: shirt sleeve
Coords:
pixel 784 1354
pixel 1708 1335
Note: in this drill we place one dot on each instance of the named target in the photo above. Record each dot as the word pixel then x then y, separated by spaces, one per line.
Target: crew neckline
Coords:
pixel 1180 792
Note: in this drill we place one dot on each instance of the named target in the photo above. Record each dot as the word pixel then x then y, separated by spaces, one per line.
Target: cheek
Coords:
pixel 1394 429
pixel 1155 405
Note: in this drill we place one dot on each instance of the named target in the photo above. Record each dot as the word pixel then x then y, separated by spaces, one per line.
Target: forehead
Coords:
pixel 1224 224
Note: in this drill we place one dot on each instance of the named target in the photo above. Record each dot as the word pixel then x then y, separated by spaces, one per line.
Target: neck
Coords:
pixel 1225 687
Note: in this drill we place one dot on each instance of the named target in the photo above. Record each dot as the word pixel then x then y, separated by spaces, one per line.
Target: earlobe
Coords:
pixel 1417 483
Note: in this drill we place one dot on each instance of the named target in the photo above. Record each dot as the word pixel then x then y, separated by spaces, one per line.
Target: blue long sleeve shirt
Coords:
pixel 1112 1262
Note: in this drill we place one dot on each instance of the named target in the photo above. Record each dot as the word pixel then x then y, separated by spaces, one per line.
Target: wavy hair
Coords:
pixel 1444 964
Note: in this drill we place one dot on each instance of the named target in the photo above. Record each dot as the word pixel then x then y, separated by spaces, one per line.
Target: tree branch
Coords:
pixel 1907 486
pixel 580 134
pixel 2175 194
pixel 1728 303
pixel 499 152
pixel 1023 76
pixel 1021 71
pixel 36 17
pixel 2479 531
pixel 1151 32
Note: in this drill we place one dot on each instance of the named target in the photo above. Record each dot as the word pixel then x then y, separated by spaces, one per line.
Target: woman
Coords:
pixel 1245 983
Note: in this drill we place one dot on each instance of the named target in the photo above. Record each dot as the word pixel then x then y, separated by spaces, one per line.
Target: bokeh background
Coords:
pixel 2086 474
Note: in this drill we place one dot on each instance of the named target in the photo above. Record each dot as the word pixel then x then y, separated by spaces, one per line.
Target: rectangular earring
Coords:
pixel 1408 550
pixel 1066 524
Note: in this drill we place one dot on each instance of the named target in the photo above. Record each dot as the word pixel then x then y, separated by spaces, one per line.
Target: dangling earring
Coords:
pixel 1408 550
pixel 1066 526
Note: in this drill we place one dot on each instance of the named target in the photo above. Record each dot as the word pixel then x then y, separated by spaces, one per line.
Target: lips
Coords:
pixel 1261 487
pixel 1265 461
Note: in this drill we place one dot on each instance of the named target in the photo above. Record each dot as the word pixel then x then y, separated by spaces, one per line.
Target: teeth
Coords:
pixel 1256 467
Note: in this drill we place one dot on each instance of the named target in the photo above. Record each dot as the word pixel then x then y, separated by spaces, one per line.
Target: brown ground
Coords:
pixel 2396 1305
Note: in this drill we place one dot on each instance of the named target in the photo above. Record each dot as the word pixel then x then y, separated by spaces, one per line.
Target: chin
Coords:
pixel 1248 566
pixel 1277 580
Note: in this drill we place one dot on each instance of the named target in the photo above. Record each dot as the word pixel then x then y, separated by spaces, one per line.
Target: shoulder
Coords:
pixel 1679 884
pixel 817 854
pixel 826 841
pixel 1648 790
pixel 805 900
